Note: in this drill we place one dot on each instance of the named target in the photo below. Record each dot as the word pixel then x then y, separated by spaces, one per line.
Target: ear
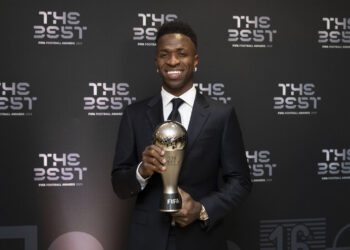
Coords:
pixel 196 60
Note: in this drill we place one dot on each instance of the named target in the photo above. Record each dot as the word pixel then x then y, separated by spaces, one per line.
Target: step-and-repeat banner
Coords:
pixel 69 68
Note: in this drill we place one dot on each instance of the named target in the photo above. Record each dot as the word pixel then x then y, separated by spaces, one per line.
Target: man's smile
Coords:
pixel 174 74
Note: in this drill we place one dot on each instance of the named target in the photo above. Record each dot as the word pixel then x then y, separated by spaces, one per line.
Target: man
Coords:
pixel 214 143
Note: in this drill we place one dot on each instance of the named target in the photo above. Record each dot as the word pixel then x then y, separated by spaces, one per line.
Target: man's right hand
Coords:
pixel 152 161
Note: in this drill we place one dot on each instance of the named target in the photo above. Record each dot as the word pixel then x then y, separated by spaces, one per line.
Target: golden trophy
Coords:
pixel 171 137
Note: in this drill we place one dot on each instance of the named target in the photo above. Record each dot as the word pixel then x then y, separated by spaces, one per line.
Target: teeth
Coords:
pixel 174 72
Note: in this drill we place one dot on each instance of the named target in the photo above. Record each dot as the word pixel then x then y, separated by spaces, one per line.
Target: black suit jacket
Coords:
pixel 214 146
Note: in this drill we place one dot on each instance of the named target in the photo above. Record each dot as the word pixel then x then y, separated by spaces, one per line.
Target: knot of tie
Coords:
pixel 175 115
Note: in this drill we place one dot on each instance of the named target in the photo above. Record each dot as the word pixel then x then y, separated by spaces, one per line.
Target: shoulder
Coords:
pixel 219 113
pixel 218 106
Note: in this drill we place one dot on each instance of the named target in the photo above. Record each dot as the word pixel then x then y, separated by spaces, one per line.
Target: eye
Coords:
pixel 162 55
pixel 182 54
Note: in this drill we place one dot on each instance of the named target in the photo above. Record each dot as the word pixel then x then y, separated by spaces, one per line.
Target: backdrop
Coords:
pixel 69 68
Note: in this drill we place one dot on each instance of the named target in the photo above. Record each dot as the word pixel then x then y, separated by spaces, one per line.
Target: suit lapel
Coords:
pixel 155 111
pixel 199 116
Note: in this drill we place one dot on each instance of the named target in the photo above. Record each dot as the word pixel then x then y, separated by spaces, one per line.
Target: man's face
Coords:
pixel 176 59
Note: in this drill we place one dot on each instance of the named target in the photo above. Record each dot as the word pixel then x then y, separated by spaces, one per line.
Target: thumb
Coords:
pixel 183 193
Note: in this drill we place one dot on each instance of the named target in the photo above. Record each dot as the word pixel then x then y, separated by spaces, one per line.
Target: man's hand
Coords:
pixel 189 212
pixel 152 161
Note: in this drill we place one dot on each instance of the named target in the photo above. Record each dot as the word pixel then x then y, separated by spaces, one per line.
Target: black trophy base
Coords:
pixel 170 202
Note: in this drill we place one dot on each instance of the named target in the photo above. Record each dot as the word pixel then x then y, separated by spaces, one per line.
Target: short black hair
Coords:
pixel 177 26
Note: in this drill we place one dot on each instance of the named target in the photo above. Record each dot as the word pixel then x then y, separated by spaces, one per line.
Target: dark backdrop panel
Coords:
pixel 69 68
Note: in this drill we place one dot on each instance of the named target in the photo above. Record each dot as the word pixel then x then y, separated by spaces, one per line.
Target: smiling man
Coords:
pixel 214 143
pixel 176 61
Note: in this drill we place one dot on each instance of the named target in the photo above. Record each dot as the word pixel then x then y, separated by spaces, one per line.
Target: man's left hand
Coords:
pixel 189 212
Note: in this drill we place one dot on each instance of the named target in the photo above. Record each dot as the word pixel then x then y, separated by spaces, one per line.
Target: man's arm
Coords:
pixel 236 177
pixel 126 168
pixel 124 181
pixel 235 173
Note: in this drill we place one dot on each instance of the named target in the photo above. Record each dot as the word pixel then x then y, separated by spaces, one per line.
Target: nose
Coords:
pixel 173 60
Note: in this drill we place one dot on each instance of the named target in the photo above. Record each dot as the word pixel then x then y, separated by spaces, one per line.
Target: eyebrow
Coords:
pixel 166 50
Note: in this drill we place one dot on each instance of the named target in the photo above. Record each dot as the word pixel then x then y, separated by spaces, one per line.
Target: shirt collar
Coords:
pixel 188 96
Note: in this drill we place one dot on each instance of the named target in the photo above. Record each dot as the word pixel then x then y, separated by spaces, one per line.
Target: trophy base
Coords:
pixel 170 202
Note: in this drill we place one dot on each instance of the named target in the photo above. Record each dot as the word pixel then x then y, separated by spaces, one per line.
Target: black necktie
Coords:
pixel 175 115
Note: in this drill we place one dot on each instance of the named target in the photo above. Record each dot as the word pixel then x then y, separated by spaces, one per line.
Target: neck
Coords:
pixel 178 92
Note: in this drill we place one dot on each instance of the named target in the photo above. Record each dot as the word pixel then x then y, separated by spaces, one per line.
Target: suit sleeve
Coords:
pixel 124 181
pixel 235 173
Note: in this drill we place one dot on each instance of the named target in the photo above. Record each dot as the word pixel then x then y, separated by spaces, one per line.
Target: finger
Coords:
pixel 176 214
pixel 152 161
pixel 181 222
pixel 157 153
pixel 178 219
pixel 151 165
pixel 158 149
pixel 148 164
pixel 151 157
pixel 179 213
pixel 153 152
pixel 183 194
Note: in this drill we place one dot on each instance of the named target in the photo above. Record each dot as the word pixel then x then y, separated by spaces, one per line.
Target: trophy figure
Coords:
pixel 171 137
